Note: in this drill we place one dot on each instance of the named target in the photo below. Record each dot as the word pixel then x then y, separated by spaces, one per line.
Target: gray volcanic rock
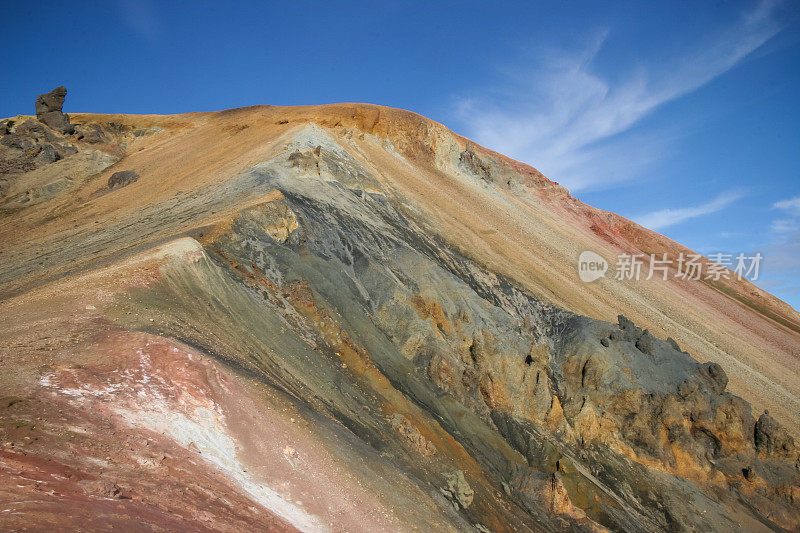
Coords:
pixel 458 490
pixel 122 178
pixel 772 439
pixel 48 110
pixel 5 126
pixel 645 343
pixel 470 162
pixel 31 145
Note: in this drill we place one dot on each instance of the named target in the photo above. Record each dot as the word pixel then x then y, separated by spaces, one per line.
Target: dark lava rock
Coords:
pixel 48 110
pixel 772 439
pixel 625 323
pixel 645 343
pixel 52 101
pixel 122 178
pixel 31 145
pixel 31 131
pixel 48 155
pixel 628 331
pixel 605 342
pixel 715 377
pixel 672 342
pixel 18 142
pixel 92 134
pixel 5 126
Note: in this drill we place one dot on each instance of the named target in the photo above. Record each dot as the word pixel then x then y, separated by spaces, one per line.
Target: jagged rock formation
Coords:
pixel 29 147
pixel 48 110
pixel 267 328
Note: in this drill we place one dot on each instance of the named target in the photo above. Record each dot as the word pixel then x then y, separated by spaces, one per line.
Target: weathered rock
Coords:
pixel 472 163
pixel 278 220
pixel 48 110
pixel 416 439
pixel 645 343
pixel 122 179
pixel 5 126
pixel 92 134
pixel 458 490
pixel 715 377
pixel 546 491
pixel 36 195
pixel 48 154
pixel 771 439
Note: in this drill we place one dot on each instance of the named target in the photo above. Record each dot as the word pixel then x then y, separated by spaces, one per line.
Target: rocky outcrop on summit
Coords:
pixel 48 110
pixel 30 145
pixel 42 158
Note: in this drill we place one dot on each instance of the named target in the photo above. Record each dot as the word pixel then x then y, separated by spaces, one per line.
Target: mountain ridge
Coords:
pixel 418 137
pixel 407 290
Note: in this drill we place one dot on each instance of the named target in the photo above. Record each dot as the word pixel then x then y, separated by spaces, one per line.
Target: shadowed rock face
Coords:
pixel 272 347
pixel 48 110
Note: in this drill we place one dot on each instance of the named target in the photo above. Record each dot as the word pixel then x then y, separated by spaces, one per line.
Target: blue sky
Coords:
pixel 684 116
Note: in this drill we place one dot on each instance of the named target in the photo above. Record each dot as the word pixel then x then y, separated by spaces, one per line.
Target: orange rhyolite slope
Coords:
pixel 513 220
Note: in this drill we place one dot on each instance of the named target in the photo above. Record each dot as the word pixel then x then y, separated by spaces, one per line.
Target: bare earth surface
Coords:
pixel 348 318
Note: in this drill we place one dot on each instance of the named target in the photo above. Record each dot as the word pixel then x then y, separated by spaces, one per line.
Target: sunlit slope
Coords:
pixel 501 213
pixel 349 318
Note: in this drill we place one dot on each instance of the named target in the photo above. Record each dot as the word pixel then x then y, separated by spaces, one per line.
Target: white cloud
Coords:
pixel 562 116
pixel 782 226
pixel 669 217
pixel 792 205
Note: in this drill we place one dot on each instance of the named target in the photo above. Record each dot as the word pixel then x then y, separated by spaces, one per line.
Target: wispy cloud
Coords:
pixel 565 117
pixel 664 218
pixel 792 205
pixel 783 226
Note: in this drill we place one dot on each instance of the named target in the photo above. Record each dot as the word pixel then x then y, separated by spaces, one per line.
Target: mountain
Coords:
pixel 349 318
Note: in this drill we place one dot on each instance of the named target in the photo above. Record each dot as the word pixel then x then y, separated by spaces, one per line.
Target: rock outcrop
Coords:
pixel 458 490
pixel 122 178
pixel 771 439
pixel 30 145
pixel 48 110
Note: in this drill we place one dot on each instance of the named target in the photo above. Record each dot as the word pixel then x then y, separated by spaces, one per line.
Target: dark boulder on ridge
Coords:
pixel 48 110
